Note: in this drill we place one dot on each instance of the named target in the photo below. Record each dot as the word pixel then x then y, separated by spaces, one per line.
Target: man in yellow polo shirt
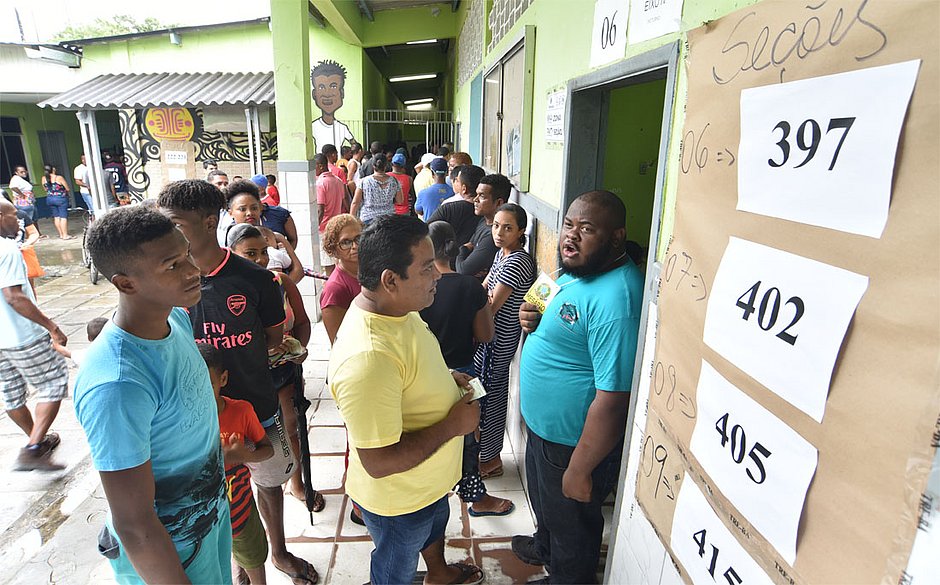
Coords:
pixel 402 407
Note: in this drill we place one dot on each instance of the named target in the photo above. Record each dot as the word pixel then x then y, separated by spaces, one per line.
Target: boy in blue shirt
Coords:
pixel 145 401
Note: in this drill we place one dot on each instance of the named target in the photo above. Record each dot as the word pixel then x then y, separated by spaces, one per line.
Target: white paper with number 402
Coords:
pixel 782 319
pixel 708 551
pixel 758 462
pixel 821 151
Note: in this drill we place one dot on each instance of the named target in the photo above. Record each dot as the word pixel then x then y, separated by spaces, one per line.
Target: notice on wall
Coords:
pixel 175 157
pixel 758 462
pixel 555 115
pixel 609 33
pixel 781 318
pixel 708 551
pixel 821 151
pixel 653 18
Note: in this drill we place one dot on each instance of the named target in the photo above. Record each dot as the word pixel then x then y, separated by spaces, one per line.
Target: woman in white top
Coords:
pixel 378 193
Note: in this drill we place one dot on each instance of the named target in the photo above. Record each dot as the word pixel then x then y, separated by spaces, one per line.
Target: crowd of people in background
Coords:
pixel 426 269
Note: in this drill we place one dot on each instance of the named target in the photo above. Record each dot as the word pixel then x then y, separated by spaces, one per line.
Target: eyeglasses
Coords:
pixel 348 244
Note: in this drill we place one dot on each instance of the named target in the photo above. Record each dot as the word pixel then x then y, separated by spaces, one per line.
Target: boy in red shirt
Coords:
pixel 243 440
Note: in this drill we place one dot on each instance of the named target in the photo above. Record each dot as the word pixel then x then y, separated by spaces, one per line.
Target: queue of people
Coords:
pixel 416 314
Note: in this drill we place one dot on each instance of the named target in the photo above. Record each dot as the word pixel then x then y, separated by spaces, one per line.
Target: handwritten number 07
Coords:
pixel 812 128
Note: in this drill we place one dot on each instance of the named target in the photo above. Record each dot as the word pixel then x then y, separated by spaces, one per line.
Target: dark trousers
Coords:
pixel 568 535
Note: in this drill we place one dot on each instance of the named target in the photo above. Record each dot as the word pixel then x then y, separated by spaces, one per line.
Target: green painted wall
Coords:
pixel 634 124
pixel 377 94
pixel 33 120
pixel 563 31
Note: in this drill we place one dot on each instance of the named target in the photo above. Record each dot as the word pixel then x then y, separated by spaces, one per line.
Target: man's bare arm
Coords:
pixel 603 430
pixel 414 448
pixel 22 304
pixel 130 494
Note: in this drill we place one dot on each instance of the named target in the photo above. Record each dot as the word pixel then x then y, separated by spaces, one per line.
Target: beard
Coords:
pixel 593 263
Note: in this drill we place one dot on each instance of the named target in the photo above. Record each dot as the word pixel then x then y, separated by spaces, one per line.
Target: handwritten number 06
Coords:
pixel 815 137
pixel 609 31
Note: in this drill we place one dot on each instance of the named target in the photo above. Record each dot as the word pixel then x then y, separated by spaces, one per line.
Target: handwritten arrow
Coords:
pixel 727 151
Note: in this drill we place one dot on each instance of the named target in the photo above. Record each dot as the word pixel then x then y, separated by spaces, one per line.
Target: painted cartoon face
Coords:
pixel 328 92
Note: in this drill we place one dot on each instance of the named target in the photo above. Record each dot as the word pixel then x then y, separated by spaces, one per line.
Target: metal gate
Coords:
pixel 439 126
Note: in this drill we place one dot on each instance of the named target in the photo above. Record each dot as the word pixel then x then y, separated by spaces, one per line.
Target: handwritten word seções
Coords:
pixel 775 48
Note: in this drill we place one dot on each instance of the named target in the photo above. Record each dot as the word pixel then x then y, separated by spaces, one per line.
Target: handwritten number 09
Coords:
pixel 609 31
pixel 815 137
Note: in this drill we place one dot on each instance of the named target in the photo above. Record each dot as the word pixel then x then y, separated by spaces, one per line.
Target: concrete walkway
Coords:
pixel 48 522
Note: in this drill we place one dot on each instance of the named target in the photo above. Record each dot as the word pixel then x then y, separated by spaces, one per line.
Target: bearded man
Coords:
pixel 575 377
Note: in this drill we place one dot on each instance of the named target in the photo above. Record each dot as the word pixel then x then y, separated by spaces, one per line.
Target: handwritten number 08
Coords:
pixel 815 137
pixel 609 31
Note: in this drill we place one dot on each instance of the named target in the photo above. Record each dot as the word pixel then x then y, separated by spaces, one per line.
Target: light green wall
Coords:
pixel 33 120
pixel 377 94
pixel 563 32
pixel 634 122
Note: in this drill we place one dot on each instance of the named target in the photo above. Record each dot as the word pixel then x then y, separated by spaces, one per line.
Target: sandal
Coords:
pixel 50 442
pixel 495 472
pixel 467 572
pixel 505 512
pixel 318 502
pixel 307 573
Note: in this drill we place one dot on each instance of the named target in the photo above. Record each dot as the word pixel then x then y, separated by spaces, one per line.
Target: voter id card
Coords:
pixel 542 292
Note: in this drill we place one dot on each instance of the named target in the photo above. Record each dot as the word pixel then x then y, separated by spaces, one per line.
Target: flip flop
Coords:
pixel 498 472
pixel 505 512
pixel 308 574
pixel 466 572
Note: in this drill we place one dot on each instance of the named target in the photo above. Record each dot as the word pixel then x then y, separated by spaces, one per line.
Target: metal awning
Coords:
pixel 144 90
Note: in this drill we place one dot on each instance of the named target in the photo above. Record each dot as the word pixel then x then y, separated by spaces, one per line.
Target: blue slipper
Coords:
pixel 506 512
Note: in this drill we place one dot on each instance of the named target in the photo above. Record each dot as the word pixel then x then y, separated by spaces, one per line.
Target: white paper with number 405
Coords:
pixel 758 462
pixel 821 151
pixel 782 319
pixel 708 551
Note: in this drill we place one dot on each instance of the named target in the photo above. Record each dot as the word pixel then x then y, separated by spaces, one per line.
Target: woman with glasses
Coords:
pixel 341 241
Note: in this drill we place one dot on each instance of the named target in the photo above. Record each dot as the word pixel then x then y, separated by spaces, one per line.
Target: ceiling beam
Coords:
pixel 366 10
pixel 343 16
pixel 315 15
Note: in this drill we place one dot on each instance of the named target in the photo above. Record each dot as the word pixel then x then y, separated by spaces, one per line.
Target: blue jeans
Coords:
pixel 568 535
pixel 400 539
pixel 58 205
pixel 89 203
pixel 29 210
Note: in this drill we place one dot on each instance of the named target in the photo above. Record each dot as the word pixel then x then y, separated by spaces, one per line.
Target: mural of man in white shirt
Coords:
pixel 328 80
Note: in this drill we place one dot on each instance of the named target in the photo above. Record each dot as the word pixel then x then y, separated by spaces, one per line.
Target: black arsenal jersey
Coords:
pixel 239 300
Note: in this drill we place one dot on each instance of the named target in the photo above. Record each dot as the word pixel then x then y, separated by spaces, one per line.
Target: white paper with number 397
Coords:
pixel 821 151
pixel 758 462
pixel 708 551
pixel 782 319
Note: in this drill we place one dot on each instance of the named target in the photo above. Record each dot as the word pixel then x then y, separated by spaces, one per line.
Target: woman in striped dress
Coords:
pixel 511 275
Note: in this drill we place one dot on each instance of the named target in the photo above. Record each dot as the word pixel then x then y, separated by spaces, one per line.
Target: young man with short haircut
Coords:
pixel 476 257
pixel 402 407
pixel 431 197
pixel 241 312
pixel 460 214
pixel 144 398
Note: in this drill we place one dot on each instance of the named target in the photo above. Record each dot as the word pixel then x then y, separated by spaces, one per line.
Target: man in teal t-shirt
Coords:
pixel 575 377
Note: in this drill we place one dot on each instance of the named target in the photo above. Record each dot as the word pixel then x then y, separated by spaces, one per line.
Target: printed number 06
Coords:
pixel 609 31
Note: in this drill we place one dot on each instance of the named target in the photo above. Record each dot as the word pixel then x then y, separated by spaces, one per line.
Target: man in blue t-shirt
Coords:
pixel 144 398
pixel 575 377
pixel 430 198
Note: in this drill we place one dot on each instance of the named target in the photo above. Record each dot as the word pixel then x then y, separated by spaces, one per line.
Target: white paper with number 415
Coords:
pixel 821 151
pixel 758 462
pixel 782 319
pixel 708 551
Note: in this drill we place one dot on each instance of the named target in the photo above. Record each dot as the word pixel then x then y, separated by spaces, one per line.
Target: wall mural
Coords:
pixel 137 180
pixel 328 85
pixel 142 131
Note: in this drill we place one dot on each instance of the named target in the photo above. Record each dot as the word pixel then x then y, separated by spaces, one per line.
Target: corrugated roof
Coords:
pixel 144 90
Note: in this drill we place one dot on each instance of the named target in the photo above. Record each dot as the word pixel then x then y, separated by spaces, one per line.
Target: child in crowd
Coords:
pixel 92 330
pixel 143 398
pixel 243 440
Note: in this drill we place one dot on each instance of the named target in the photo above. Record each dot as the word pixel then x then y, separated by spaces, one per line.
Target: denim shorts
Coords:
pixel 58 205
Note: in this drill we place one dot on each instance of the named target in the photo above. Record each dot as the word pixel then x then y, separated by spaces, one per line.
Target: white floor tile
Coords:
pixel 326 472
pixel 327 440
pixel 297 519
pixel 351 563
pixel 519 522
pixel 316 553
pixel 326 413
